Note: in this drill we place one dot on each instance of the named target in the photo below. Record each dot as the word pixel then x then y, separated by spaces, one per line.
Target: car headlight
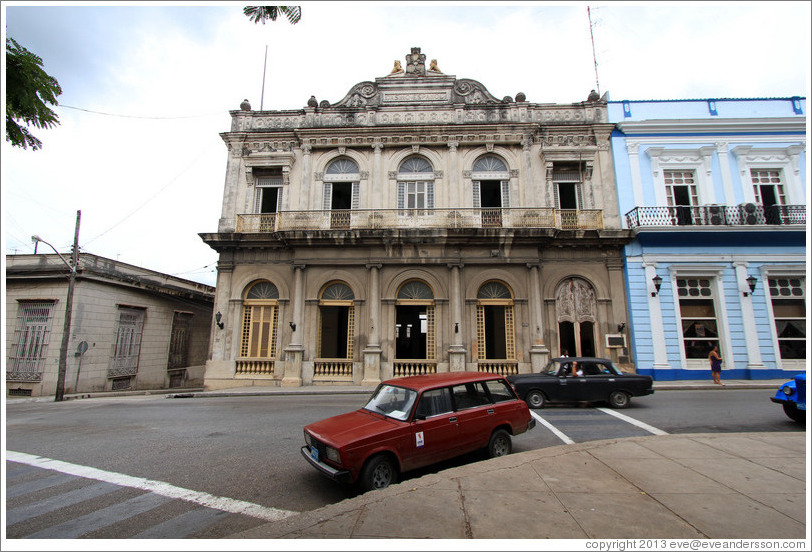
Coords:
pixel 787 390
pixel 332 455
pixel 308 439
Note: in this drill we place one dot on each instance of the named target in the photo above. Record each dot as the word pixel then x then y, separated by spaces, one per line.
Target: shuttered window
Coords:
pixel 28 352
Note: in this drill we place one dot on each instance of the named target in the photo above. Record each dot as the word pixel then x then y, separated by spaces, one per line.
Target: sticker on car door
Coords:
pixel 418 437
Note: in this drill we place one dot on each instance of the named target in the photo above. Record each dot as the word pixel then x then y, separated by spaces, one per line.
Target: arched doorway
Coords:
pixel 576 309
pixel 260 319
pixel 336 332
pixel 496 333
pixel 415 349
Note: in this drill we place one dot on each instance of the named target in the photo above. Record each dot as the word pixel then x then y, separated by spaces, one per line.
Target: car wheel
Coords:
pixel 792 411
pixel 619 399
pixel 535 399
pixel 500 444
pixel 378 473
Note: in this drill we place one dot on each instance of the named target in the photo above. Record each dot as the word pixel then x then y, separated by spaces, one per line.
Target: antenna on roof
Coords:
pixel 264 67
pixel 594 59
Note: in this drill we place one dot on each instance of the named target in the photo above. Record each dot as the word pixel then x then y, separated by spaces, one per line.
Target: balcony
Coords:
pixel 367 219
pixel 747 214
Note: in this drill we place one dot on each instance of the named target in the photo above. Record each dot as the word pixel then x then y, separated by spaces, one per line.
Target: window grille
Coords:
pixel 29 350
pixel 127 348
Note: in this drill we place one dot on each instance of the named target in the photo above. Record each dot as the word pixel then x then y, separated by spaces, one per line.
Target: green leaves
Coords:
pixel 28 89
pixel 261 13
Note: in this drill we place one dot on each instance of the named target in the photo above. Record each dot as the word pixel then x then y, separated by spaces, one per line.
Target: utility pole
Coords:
pixel 594 58
pixel 264 67
pixel 63 350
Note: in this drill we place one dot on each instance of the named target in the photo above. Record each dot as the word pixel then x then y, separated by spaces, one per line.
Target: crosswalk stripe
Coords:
pixel 158 487
pixel 102 518
pixel 557 432
pixel 183 525
pixel 14 490
pixel 34 509
pixel 636 423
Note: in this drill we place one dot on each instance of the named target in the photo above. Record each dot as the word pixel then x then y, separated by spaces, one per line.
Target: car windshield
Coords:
pixel 395 402
pixel 551 369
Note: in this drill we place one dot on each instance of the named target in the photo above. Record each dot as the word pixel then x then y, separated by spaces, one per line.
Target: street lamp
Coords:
pixel 63 350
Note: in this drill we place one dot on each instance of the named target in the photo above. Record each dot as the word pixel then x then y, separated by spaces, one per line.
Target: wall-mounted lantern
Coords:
pixel 657 283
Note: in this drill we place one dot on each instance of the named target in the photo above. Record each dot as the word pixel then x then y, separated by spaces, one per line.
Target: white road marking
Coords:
pixel 552 428
pixel 638 423
pixel 158 487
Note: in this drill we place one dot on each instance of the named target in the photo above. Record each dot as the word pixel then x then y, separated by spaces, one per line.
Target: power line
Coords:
pixel 139 116
pixel 205 152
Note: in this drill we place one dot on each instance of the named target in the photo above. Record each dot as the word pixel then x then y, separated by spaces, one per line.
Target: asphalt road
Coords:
pixel 247 448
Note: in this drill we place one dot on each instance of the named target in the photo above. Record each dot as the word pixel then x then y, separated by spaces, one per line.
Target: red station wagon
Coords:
pixel 415 421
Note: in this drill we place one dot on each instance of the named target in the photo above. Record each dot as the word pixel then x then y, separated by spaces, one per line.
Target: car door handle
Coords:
pixel 490 411
pixel 452 419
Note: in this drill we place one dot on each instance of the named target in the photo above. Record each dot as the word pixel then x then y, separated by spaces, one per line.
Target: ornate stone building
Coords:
pixel 419 224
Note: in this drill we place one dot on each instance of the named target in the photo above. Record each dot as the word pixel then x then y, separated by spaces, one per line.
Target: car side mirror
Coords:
pixel 418 417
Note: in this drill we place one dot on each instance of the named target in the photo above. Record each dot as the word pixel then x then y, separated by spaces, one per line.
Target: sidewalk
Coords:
pixel 257 390
pixel 697 486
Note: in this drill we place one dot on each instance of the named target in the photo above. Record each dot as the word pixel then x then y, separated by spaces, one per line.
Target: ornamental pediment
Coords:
pixel 414 84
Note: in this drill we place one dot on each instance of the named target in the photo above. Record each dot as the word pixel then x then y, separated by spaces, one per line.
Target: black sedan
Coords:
pixel 580 379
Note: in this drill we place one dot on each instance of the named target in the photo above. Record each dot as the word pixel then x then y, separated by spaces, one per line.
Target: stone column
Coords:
pixel 456 353
pixel 294 352
pixel 307 179
pixel 372 353
pixel 539 353
pixel 656 320
pixel 454 181
pixel 530 197
pixel 754 361
pixel 377 192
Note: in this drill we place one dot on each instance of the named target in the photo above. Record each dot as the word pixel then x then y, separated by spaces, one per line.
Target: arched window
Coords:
pixel 496 336
pixel 491 185
pixel 576 312
pixel 415 350
pixel 342 181
pixel 336 332
pixel 415 186
pixel 260 318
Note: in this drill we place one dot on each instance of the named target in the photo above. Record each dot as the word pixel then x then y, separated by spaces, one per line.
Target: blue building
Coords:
pixel 714 192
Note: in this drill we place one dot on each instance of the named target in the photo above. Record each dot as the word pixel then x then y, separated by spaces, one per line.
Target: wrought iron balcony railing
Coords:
pixel 717 215
pixel 564 219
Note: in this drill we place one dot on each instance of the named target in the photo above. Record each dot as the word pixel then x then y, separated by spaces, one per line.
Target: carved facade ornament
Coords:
pixel 364 175
pixel 466 174
pixel 416 63
pixel 452 146
pixel 514 173
pixel 575 301
pixel 397 68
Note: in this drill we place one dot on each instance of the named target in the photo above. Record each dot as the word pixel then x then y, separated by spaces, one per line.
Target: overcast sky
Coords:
pixel 147 89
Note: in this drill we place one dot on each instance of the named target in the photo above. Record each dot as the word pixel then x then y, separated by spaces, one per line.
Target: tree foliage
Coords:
pixel 28 91
pixel 262 13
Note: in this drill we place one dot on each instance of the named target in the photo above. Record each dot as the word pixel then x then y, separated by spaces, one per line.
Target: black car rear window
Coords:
pixel 499 391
